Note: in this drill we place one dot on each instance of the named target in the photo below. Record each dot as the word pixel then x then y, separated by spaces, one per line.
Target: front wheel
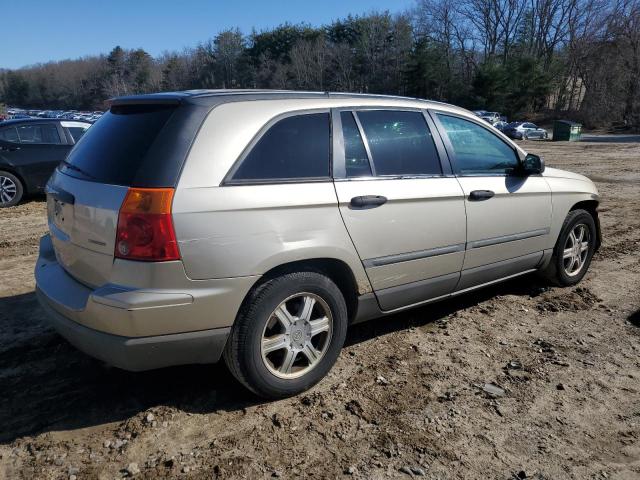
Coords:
pixel 574 249
pixel 288 334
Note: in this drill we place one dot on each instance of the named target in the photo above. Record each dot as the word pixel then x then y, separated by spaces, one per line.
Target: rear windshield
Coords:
pixel 115 150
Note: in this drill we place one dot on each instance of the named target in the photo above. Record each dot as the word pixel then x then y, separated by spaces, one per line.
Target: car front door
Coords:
pixel 42 147
pixel 508 214
pixel 401 205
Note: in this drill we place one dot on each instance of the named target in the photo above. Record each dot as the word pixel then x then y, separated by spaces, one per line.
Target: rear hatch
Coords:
pixel 132 145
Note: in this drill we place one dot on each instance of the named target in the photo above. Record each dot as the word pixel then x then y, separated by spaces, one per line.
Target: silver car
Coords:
pixel 525 131
pixel 257 226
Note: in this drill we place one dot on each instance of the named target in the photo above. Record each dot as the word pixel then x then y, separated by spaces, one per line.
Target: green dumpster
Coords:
pixel 566 130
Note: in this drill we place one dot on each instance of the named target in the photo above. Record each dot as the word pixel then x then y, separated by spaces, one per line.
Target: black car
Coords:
pixel 30 150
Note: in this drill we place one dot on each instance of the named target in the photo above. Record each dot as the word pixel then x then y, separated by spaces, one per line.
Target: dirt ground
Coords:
pixel 405 398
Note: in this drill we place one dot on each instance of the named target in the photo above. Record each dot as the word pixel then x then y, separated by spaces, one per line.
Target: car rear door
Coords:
pixel 42 147
pixel 508 214
pixel 402 207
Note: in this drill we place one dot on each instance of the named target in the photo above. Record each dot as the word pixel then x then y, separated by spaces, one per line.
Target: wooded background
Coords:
pixel 578 59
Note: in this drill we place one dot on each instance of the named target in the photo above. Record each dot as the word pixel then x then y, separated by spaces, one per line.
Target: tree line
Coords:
pixel 574 58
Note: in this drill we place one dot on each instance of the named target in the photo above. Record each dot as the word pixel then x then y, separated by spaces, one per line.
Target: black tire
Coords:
pixel 556 272
pixel 16 191
pixel 243 354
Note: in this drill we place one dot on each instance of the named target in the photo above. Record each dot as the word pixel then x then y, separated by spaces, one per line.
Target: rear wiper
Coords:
pixel 70 166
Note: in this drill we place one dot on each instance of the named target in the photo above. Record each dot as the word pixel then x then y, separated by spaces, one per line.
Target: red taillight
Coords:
pixel 145 228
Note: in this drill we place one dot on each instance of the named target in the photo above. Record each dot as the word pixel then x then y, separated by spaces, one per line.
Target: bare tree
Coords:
pixel 228 48
pixel 309 61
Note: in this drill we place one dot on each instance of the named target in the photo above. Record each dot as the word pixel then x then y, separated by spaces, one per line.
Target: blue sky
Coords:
pixel 43 30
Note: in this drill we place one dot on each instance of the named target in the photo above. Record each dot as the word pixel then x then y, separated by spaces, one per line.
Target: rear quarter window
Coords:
pixel 76 133
pixel 296 147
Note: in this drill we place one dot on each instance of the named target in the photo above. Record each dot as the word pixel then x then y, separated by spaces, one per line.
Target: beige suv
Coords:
pixel 258 225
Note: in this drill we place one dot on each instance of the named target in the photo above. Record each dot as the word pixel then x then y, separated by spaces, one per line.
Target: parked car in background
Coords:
pixel 501 125
pixel 258 226
pixel 536 133
pixel 525 130
pixel 489 117
pixel 30 150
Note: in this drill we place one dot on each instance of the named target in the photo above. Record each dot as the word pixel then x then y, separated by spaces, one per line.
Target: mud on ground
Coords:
pixel 406 398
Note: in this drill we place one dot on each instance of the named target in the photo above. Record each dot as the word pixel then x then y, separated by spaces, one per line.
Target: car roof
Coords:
pixel 216 97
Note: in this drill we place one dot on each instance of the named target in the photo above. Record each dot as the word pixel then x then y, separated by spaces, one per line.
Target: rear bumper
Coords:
pixel 139 353
pixel 140 328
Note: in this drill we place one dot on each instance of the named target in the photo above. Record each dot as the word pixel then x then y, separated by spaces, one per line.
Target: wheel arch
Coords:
pixel 337 270
pixel 591 206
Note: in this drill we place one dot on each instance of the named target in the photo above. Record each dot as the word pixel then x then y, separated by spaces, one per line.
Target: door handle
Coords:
pixel 368 201
pixel 9 149
pixel 481 195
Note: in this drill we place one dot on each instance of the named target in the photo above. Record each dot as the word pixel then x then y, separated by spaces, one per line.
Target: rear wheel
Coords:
pixel 288 334
pixel 574 249
pixel 11 189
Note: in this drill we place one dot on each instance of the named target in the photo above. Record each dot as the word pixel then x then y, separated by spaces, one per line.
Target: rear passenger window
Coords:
pixel 295 147
pixel 355 155
pixel 40 133
pixel 400 143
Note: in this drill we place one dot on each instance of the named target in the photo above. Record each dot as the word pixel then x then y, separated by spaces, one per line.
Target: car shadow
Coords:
pixel 634 318
pixel 47 385
pixel 32 198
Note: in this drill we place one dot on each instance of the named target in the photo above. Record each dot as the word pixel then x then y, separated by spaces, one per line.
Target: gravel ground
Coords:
pixel 515 381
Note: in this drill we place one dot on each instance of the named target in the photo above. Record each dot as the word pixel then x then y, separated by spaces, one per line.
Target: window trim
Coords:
pixel 339 168
pixel 434 112
pixel 228 179
pixel 365 143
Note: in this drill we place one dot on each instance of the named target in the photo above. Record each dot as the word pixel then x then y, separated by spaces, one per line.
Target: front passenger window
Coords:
pixel 477 150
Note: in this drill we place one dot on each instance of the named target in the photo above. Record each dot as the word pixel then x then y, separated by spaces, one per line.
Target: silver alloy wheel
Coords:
pixel 576 249
pixel 297 335
pixel 8 189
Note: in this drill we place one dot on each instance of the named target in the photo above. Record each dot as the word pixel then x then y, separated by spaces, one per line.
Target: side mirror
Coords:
pixel 532 164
